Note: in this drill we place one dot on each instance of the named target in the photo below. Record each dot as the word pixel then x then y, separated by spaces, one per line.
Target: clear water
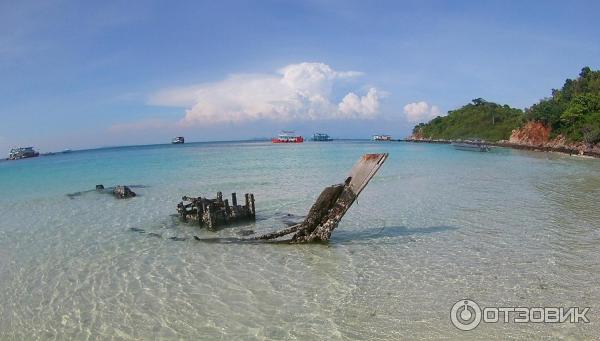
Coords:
pixel 505 228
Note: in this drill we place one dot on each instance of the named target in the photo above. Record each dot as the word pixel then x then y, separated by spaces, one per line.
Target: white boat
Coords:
pixel 22 153
pixel 178 140
pixel 287 137
pixel 381 138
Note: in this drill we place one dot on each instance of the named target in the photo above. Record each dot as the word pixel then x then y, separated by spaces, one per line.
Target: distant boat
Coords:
pixel 475 146
pixel 321 137
pixel 22 153
pixel 178 140
pixel 381 138
pixel 287 137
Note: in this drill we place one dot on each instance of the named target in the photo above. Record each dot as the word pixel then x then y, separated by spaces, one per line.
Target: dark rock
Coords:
pixel 123 192
pixel 245 232
pixel 178 239
pixel 99 188
pixel 135 229
pixel 73 195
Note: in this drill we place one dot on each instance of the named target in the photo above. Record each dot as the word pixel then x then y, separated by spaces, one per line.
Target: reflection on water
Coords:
pixel 434 226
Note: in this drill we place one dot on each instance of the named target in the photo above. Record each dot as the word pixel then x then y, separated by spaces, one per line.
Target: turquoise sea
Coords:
pixel 436 225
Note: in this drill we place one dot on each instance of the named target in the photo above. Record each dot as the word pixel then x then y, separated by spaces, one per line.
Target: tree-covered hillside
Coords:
pixel 574 110
pixel 477 120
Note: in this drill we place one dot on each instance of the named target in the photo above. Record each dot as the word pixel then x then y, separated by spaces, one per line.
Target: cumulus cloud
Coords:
pixel 421 112
pixel 301 91
pixel 355 106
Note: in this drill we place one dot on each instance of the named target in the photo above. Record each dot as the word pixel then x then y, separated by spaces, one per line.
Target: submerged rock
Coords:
pixel 99 188
pixel 245 232
pixel 123 192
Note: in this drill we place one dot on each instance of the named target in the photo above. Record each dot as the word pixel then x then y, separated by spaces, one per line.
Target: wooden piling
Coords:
pixel 247 203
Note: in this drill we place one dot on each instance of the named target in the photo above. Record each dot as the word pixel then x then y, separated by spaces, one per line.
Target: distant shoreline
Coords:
pixel 561 150
pixel 108 148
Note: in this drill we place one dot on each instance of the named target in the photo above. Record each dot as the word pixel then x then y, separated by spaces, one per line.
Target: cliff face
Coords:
pixel 537 135
pixel 531 134
pixel 417 136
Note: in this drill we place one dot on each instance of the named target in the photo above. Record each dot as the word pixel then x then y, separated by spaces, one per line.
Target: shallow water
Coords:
pixel 436 225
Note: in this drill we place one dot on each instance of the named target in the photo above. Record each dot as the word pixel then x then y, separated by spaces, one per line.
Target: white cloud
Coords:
pixel 296 92
pixel 354 106
pixel 417 112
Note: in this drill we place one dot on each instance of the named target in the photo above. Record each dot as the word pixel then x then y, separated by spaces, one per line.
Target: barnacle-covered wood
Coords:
pixel 332 204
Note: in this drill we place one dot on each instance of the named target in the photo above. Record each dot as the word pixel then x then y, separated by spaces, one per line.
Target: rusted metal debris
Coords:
pixel 212 213
pixel 331 205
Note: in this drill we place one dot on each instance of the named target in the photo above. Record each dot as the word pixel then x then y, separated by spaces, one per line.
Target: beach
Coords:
pixel 434 226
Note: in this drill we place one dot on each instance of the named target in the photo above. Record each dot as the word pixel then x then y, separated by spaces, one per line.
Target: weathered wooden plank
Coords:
pixel 333 203
pixel 364 170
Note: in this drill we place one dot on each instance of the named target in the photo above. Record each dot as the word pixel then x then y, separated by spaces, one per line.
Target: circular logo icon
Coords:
pixel 465 315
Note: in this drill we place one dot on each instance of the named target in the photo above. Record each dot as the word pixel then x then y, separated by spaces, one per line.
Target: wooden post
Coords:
pixel 227 212
pixel 203 204
pixel 199 211
pixel 253 209
pixel 233 199
pixel 210 214
pixel 219 197
pixel 247 205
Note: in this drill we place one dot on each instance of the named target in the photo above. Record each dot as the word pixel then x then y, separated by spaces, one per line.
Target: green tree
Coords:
pixel 478 120
pixel 478 101
pixel 571 109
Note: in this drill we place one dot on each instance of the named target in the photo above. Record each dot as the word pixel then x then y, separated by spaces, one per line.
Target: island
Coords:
pixel 568 121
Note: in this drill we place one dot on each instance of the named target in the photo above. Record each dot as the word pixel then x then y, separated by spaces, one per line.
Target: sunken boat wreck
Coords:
pixel 212 213
pixel 323 217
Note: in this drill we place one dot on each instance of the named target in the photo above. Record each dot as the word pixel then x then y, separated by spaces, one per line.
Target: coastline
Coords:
pixel 571 151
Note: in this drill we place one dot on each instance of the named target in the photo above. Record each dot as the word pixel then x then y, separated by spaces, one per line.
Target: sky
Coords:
pixel 86 74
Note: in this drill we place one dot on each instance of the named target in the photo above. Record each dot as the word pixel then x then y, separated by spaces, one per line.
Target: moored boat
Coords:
pixel 321 137
pixel 22 153
pixel 287 137
pixel 178 140
pixel 475 146
pixel 381 138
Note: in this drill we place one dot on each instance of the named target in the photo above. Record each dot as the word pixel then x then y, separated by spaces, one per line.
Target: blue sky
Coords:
pixel 90 74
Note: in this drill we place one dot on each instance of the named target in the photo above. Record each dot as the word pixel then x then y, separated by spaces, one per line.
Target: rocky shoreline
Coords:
pixel 579 149
pixel 534 136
